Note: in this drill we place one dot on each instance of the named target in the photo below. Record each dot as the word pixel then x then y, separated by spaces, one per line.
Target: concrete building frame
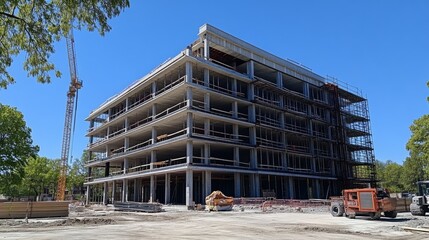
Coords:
pixel 226 115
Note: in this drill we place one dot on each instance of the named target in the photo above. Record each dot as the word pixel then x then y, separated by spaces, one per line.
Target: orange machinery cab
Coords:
pixel 366 200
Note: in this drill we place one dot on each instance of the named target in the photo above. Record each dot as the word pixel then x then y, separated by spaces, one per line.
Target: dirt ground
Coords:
pixel 280 222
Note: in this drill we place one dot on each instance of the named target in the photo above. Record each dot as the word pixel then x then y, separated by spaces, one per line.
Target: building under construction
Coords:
pixel 226 115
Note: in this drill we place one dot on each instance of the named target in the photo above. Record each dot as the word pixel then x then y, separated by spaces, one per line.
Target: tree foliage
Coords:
pixel 77 173
pixel 390 175
pixel 34 26
pixel 41 175
pixel 16 147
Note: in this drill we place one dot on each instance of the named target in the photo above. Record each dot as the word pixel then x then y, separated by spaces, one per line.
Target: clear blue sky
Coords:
pixel 381 47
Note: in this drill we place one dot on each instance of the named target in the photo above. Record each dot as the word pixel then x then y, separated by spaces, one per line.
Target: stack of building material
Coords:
pixel 138 207
pixel 33 209
pixel 217 201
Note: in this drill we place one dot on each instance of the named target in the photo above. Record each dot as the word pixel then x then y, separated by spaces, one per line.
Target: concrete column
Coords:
pixel 282 120
pixel 135 190
pixel 113 191
pixel 257 186
pixel 126 143
pixel 139 190
pixel 316 187
pixel 252 135
pixel 153 89
pixel 235 131
pixel 279 80
pixel 109 114
pixel 252 185
pixel 333 168
pixel 152 196
pixel 282 101
pixel 188 69
pixel 189 124
pixel 189 152
pixel 207 182
pixel 307 90
pixel 105 192
pixel 124 191
pixel 284 161
pixel 253 158
pixel 126 123
pixel 189 97
pixel 154 110
pixel 206 153
pixel 206 49
pixel 235 109
pixel 252 113
pixel 207 101
pixel 108 152
pixel 206 127
pixel 291 188
pixel 152 158
pixel 234 87
pixel 127 104
pixel 237 185
pixel 206 77
pixel 284 139
pixel 107 169
pixel 154 134
pixel 167 188
pixel 88 193
pixel 125 165
pixel 236 156
pixel 250 69
pixel 250 92
pixel 189 189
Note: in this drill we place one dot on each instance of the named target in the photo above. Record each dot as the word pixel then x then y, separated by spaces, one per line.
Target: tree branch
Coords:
pixel 11 16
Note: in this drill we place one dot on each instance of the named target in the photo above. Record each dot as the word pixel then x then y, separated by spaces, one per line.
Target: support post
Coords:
pixel 152 197
pixel 189 189
pixel 188 69
pixel 88 193
pixel 105 192
pixel 291 188
pixel 113 191
pixel 237 190
pixel 208 182
pixel 189 152
pixel 167 188
pixel 206 49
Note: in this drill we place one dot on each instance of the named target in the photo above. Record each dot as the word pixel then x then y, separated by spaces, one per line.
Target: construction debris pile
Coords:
pixel 217 201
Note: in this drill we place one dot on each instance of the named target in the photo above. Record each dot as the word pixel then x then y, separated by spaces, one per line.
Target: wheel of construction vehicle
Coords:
pixel 337 209
pixel 391 214
pixel 375 215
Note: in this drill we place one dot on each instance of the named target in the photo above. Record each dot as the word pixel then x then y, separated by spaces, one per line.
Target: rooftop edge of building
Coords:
pixel 255 52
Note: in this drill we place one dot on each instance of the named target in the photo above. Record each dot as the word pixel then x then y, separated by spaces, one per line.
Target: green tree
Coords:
pixel 392 177
pixel 16 147
pixel 41 176
pixel 34 26
pixel 379 169
pixel 76 174
pixel 416 166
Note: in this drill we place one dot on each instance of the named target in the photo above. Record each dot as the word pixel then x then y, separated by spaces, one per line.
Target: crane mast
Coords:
pixel 74 86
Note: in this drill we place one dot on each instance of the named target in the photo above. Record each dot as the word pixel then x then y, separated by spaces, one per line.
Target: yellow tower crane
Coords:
pixel 72 93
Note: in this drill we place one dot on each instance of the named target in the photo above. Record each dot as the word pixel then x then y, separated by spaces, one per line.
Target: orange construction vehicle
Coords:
pixel 365 201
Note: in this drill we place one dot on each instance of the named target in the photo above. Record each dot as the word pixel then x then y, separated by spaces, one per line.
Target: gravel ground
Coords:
pixel 245 221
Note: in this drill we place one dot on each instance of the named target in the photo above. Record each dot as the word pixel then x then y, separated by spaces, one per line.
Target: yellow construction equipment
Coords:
pixel 74 86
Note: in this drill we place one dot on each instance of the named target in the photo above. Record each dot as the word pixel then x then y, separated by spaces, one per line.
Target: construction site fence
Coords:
pixel 288 202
